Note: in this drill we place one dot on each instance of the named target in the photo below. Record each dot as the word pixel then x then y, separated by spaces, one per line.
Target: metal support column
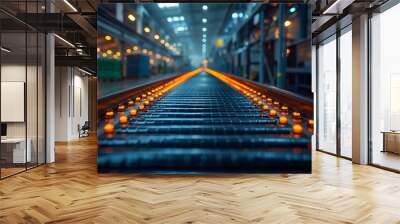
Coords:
pixel 261 76
pixel 360 90
pixel 281 60
pixel 50 93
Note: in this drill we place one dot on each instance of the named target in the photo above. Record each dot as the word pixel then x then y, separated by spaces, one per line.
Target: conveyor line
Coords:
pixel 202 122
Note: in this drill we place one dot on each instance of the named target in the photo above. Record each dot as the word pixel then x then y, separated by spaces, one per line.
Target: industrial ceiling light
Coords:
pixel 167 5
pixel 65 41
pixel 108 37
pixel 204 40
pixel 131 17
pixel 146 29
pixel 287 23
pixel 292 10
pixel 109 52
pixel 205 7
pixel 70 5
pixel 180 28
pixel 235 15
pixel 204 29
pixel 162 41
pixel 5 50
pixel 156 36
pixel 204 20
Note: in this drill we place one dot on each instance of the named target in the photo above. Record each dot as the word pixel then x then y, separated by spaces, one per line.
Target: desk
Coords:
pixel 16 147
pixel 391 141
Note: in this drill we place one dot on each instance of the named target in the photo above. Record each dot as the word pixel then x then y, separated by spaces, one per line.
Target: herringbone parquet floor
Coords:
pixel 71 191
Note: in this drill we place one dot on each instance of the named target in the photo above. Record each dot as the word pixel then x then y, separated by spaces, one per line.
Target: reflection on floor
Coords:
pixel 387 159
pixel 10 171
pixel 71 191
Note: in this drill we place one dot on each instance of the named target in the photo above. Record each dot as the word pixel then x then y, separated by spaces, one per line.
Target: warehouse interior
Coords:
pixel 60 58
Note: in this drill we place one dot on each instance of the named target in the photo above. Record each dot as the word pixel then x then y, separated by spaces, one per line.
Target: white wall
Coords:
pixel 71 102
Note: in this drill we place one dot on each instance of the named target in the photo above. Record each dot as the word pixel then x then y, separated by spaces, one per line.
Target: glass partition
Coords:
pixel 326 129
pixel 385 89
pixel 15 149
pixel 22 90
pixel 346 93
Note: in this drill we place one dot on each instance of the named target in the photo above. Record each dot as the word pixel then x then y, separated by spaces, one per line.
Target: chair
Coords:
pixel 84 130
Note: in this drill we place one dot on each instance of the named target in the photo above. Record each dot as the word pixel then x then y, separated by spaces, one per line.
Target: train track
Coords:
pixel 204 121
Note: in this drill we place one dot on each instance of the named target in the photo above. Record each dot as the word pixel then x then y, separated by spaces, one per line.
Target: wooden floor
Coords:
pixel 71 191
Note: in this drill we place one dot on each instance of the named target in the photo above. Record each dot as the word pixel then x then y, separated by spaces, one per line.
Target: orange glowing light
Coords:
pixel 296 115
pixel 108 128
pixel 123 120
pixel 311 123
pixel 272 113
pixel 133 112
pixel 283 120
pixel 121 108
pixel 109 114
pixel 297 129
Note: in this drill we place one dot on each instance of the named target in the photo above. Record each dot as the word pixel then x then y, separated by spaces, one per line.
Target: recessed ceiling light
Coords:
pixel 204 29
pixel 204 20
pixel 205 7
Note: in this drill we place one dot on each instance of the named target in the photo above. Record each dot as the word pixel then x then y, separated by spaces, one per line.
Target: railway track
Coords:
pixel 204 121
